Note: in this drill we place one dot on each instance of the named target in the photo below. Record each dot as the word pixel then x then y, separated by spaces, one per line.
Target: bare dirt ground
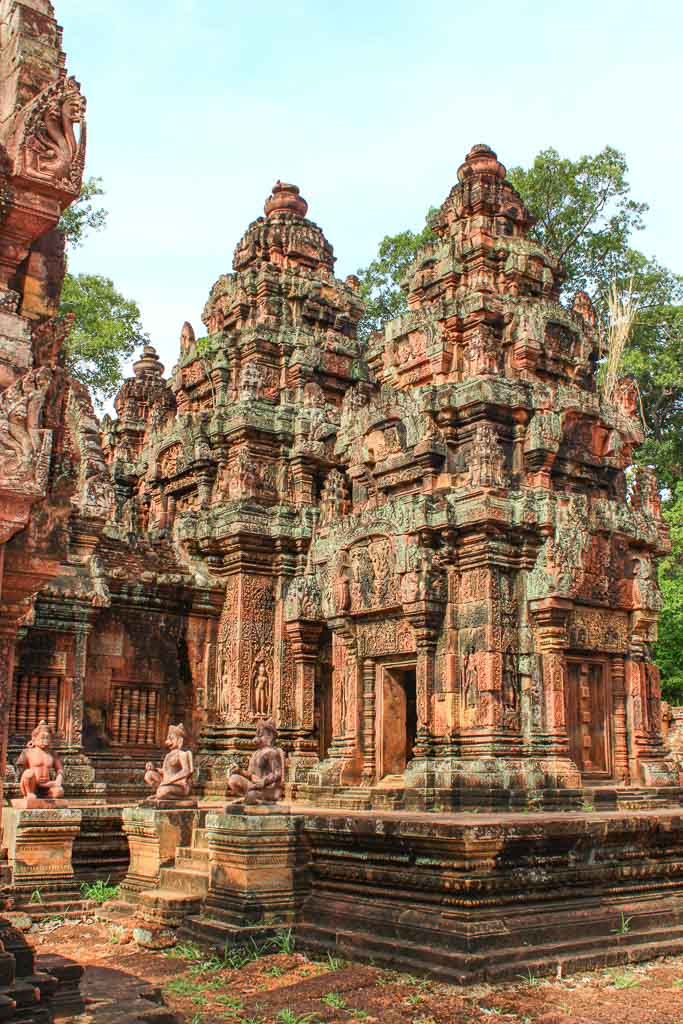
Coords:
pixel 288 988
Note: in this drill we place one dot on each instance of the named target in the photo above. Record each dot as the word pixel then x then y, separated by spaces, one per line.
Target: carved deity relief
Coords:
pixel 382 443
pixel 423 580
pixel 334 500
pixel 284 483
pixel 251 382
pixel 303 598
pixel 227 666
pixel 470 698
pixel 261 694
pixel 342 686
pixel 625 396
pixel 243 478
pixel 482 351
pixel 511 690
pixel 485 458
pixel 340 591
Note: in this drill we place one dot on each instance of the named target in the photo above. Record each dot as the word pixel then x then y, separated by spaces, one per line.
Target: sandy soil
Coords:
pixel 288 988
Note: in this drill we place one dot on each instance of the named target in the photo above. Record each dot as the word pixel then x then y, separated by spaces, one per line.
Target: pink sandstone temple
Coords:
pixel 418 554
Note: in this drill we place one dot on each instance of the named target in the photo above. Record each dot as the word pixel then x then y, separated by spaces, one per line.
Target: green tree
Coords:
pixel 107 330
pixel 584 215
pixel 83 216
pixel 381 279
pixel 108 327
pixel 669 649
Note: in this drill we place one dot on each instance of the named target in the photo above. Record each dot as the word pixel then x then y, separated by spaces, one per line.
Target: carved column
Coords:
pixel 7 654
pixel 369 699
pixel 621 766
pixel 304 638
pixel 75 736
pixel 550 616
pixel 424 680
pixel 425 617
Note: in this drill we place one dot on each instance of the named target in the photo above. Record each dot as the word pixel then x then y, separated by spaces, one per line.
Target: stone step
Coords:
pixel 167 907
pixel 181 899
pixel 542 958
pixel 192 858
pixel 51 908
pixel 199 839
pixel 184 880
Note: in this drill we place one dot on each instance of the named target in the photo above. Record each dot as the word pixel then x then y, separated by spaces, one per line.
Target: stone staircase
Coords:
pixel 181 888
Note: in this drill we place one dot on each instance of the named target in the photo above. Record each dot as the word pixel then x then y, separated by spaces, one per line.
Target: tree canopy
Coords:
pixel 107 330
pixel 108 326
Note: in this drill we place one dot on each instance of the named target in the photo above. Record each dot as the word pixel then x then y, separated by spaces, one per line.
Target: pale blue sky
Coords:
pixel 196 108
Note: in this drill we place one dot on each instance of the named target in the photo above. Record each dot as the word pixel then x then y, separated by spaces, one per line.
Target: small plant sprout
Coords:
pixel 335 963
pixel 284 941
pixel 624 925
pixel 36 896
pixel 99 891
pixel 530 979
pixel 334 1000
pixel 290 1017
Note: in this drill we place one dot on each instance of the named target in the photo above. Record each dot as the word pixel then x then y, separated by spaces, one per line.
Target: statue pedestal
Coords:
pixel 39 841
pixel 254 872
pixel 153 834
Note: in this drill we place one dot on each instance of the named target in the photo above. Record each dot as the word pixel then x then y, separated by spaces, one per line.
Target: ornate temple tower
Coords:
pixel 227 463
pixel 490 586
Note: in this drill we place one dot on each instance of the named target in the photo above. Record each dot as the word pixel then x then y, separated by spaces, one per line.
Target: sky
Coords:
pixel 196 107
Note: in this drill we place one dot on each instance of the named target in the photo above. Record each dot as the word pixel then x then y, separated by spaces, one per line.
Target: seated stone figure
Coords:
pixel 263 782
pixel 42 778
pixel 173 781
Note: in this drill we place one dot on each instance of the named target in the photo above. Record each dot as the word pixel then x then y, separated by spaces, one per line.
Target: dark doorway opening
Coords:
pixel 323 697
pixel 588 721
pixel 397 719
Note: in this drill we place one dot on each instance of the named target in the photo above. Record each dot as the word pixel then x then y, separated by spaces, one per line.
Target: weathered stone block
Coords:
pixel 153 836
pixel 253 868
pixel 39 844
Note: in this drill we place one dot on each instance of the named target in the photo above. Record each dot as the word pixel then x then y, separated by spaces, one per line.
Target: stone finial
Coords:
pixel 285 199
pixel 481 159
pixel 149 364
pixel 187 337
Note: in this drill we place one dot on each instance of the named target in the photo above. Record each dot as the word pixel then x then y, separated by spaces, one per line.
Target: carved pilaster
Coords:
pixel 621 758
pixel 304 638
pixel 550 619
pixel 369 699
pixel 7 654
pixel 75 737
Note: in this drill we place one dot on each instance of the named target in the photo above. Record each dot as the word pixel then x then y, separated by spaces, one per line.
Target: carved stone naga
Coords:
pixel 51 148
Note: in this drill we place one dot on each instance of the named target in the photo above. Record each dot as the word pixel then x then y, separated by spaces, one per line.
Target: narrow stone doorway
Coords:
pixel 396 719
pixel 323 705
pixel 588 717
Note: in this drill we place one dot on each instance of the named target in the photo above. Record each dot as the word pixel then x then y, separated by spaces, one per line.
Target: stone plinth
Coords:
pixel 153 837
pixel 39 843
pixel 254 873
pixel 481 897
